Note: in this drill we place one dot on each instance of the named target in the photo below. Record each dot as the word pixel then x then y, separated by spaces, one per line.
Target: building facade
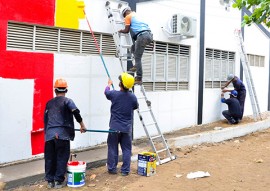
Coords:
pixel 43 40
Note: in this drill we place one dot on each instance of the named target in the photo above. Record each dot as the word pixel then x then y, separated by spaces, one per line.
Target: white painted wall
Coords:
pixel 258 44
pixel 16 111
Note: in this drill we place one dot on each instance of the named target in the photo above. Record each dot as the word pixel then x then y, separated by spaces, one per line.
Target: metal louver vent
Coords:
pixel 46 39
pixel 231 55
pixel 184 50
pixel 161 47
pixel 148 86
pixel 172 68
pixel 183 85
pixel 20 36
pixel 173 48
pixel 147 66
pixel 108 46
pixel 160 86
pixel 69 41
pixel 171 86
pixel 219 64
pixel 209 53
pixel 160 69
pixel 88 43
pixel 184 69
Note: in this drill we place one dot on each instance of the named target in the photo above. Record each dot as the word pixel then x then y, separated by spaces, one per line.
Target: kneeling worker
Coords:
pixel 233 114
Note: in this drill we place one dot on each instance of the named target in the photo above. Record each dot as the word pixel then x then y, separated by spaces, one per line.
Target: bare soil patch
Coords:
pixel 241 164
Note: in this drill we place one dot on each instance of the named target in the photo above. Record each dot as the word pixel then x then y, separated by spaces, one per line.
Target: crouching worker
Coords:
pixel 123 104
pixel 233 114
pixel 59 131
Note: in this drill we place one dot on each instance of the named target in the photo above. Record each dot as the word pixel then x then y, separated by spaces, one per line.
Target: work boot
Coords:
pixel 124 173
pixel 112 172
pixel 50 185
pixel 138 80
pixel 59 185
pixel 133 69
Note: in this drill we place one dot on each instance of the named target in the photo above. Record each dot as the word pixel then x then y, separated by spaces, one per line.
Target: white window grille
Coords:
pixel 22 36
pixel 256 60
pixel 166 67
pixel 218 64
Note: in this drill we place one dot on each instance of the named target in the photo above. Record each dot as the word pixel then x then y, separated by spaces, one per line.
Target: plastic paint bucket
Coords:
pixel 76 173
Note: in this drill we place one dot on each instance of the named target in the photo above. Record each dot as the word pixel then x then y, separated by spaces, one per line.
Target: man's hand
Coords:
pixel 110 82
pixel 83 128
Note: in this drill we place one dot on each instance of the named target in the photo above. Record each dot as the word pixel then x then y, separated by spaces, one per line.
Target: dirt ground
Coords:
pixel 241 164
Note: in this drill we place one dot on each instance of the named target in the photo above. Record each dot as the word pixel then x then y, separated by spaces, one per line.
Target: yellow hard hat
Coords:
pixel 127 80
pixel 60 83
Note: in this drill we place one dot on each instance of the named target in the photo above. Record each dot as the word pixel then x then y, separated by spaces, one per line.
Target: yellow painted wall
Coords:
pixel 68 13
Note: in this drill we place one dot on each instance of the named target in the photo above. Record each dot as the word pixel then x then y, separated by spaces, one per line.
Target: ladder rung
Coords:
pixel 143 97
pixel 126 59
pixel 119 22
pixel 115 10
pixel 148 124
pixel 126 46
pixel 127 55
pixel 162 150
pixel 166 160
pixel 143 111
pixel 155 137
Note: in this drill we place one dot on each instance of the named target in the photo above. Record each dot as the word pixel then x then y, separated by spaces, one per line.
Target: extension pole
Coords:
pixel 97 46
pixel 99 131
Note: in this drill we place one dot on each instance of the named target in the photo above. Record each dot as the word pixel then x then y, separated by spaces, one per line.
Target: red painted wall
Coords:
pixel 27 65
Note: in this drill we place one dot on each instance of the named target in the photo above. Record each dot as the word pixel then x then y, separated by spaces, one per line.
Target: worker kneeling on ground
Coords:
pixel 124 103
pixel 233 114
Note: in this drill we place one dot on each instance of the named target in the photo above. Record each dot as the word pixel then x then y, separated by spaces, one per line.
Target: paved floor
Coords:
pixel 32 171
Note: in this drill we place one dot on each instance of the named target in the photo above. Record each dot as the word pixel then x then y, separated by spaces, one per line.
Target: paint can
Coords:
pixel 76 173
pixel 146 164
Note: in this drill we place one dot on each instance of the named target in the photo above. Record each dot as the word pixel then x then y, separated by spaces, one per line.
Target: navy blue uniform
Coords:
pixel 241 89
pixel 123 105
pixel 233 114
pixel 59 130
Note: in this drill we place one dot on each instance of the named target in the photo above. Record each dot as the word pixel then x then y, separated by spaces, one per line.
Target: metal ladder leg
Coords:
pixel 249 80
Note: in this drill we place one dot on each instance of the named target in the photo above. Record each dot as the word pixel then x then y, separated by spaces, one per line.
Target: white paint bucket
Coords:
pixel 76 173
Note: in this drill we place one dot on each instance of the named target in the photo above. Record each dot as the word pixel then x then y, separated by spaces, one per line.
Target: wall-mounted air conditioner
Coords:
pixel 183 25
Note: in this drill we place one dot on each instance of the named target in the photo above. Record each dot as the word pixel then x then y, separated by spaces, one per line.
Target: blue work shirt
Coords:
pixel 123 105
pixel 239 86
pixel 233 106
pixel 58 119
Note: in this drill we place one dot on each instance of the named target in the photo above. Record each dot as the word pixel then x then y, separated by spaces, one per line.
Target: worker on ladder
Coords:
pixel 124 103
pixel 142 36
pixel 239 87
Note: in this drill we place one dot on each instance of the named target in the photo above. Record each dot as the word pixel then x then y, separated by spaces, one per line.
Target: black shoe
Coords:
pixel 50 185
pixel 133 69
pixel 138 81
pixel 112 172
pixel 59 185
pixel 124 173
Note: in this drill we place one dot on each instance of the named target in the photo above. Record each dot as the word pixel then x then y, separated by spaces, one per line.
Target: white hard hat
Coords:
pixel 230 77
pixel 125 9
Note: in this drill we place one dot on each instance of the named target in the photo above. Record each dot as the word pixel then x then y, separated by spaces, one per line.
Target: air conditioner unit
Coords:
pixel 183 25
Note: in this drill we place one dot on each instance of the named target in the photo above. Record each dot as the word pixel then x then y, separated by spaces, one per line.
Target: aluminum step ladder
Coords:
pixel 247 72
pixel 124 44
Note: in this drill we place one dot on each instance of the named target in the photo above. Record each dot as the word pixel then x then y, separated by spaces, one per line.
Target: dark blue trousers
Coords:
pixel 241 98
pixel 113 141
pixel 56 158
pixel 231 118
